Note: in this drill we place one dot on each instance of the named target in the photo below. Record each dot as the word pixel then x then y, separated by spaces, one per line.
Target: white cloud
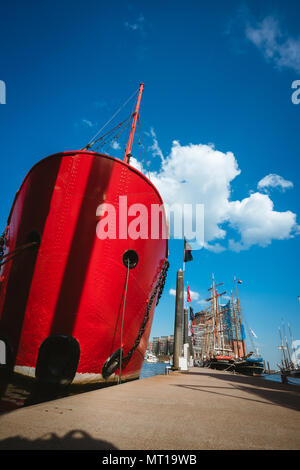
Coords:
pixel 203 303
pixel 87 122
pixel 274 181
pixel 194 295
pixel 277 47
pixel 200 174
pixel 258 223
pixel 155 148
pixel 136 164
pixel 116 146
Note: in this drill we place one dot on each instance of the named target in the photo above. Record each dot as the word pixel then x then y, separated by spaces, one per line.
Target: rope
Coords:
pixel 3 240
pixel 250 336
pixel 114 139
pixel 144 147
pixel 116 113
pixel 158 290
pixel 104 137
pixel 121 345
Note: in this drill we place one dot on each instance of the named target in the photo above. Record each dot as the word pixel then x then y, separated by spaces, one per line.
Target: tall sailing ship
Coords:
pixel 76 308
pixel 289 365
pixel 220 335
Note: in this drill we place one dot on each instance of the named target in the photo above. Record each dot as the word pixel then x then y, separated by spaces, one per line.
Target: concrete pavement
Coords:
pixel 199 409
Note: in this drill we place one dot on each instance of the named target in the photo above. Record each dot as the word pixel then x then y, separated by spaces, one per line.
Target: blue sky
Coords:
pixel 215 73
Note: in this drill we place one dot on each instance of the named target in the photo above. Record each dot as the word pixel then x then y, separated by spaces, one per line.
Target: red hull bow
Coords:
pixel 72 285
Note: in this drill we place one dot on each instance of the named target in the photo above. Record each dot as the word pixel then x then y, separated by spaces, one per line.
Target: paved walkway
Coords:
pixel 200 409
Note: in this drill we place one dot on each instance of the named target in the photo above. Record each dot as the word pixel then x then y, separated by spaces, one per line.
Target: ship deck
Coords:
pixel 198 409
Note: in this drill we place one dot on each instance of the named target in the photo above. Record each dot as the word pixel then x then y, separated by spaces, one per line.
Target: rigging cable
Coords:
pixel 121 339
pixel 144 147
pixel 104 137
pixel 115 138
pixel 116 113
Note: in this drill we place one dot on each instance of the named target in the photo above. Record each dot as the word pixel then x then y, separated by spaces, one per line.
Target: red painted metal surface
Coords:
pixel 223 357
pixel 74 283
pixel 133 126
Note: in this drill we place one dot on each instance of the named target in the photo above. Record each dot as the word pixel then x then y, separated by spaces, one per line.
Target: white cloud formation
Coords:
pixel 137 164
pixel 194 295
pixel 155 148
pixel 277 47
pixel 87 122
pixel 274 181
pixel 115 145
pixel 200 174
pixel 203 303
pixel 258 223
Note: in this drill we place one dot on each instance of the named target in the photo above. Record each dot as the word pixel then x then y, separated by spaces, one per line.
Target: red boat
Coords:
pixel 73 307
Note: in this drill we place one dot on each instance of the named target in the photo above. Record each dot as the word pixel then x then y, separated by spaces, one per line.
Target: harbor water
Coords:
pixel 17 395
pixel 149 369
pixel 277 378
pixel 158 368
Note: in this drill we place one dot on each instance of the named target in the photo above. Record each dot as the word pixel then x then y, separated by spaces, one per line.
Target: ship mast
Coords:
pixel 133 126
pixel 235 328
pixel 239 318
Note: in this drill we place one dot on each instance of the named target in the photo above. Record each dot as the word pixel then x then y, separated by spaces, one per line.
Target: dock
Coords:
pixel 198 409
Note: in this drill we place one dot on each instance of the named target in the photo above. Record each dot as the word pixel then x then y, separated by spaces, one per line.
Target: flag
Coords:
pixel 191 327
pixel 253 333
pixel 187 252
pixel 188 294
pixel 239 281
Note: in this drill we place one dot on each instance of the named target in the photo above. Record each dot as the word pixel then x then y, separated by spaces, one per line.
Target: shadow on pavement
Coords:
pixel 272 392
pixel 73 440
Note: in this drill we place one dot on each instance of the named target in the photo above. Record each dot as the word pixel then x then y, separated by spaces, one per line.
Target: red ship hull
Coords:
pixel 61 304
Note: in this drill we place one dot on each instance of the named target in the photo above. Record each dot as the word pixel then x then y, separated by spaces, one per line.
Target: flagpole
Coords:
pixel 183 269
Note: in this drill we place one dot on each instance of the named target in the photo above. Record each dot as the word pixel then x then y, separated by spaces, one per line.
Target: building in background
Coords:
pixel 197 332
pixel 229 329
pixel 161 345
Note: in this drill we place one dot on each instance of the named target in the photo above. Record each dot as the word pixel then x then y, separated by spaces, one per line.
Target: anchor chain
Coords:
pixel 3 241
pixel 158 289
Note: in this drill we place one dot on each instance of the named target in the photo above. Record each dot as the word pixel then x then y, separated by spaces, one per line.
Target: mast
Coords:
pixel 221 312
pixel 212 299
pixel 239 317
pixel 214 310
pixel 292 343
pixel 133 126
pixel 282 347
pixel 235 327
pixel 286 342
